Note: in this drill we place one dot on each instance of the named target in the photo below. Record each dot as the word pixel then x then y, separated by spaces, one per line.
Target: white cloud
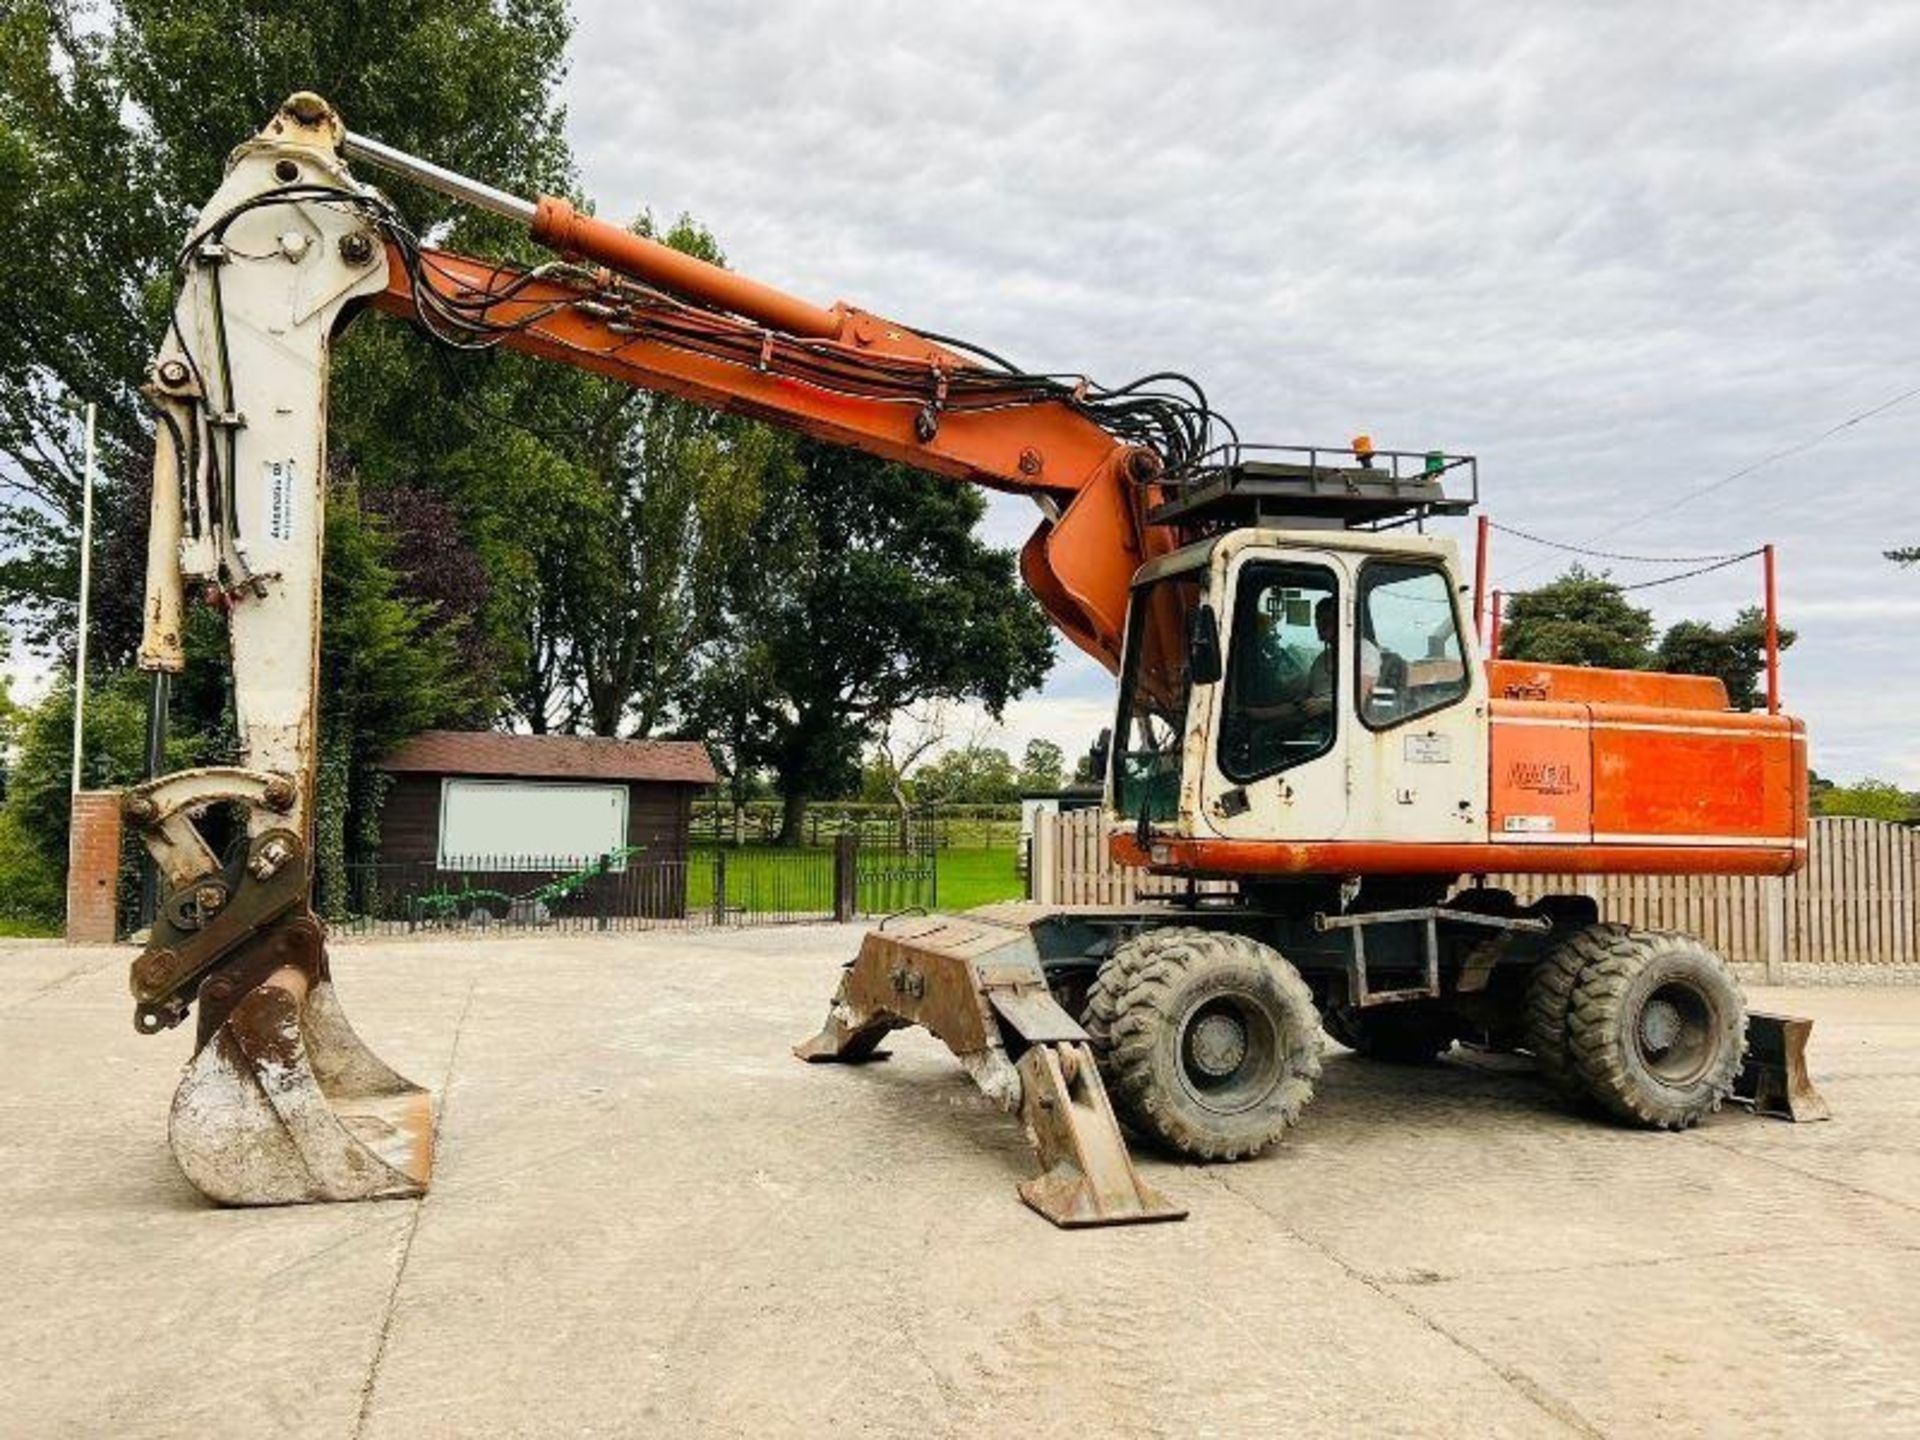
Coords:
pixel 1617 251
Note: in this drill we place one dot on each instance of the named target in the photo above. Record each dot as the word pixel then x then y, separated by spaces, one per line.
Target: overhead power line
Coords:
pixel 1689 574
pixel 1720 483
pixel 1608 554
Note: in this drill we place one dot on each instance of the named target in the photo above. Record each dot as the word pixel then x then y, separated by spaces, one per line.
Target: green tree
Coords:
pixel 79 193
pixel 9 710
pixel 390 666
pixel 113 132
pixel 1042 766
pixel 641 592
pixel 1578 619
pixel 605 517
pixel 1871 799
pixel 112 754
pixel 114 126
pixel 865 590
pixel 1906 555
pixel 1735 654
pixel 971 775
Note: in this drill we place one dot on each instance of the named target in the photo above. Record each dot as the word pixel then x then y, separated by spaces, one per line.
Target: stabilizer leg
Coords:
pixel 851 1034
pixel 1088 1176
pixel 1774 1079
pixel 981 989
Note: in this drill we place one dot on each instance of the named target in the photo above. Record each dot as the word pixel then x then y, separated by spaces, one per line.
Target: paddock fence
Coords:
pixel 1852 914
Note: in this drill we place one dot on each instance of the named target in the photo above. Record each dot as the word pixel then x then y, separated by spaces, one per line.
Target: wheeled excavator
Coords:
pixel 1303 711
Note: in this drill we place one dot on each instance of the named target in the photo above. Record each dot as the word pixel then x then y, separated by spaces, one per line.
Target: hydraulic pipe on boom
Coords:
pixel 1092 488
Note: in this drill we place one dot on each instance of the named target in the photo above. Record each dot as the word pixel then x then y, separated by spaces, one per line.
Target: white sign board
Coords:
pixel 508 824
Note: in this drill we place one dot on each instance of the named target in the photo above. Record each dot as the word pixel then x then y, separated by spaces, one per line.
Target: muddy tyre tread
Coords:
pixel 1595 1025
pixel 1133 1002
pixel 1550 1001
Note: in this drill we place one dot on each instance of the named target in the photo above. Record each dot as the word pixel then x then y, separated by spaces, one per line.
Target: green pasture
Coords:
pixel 765 879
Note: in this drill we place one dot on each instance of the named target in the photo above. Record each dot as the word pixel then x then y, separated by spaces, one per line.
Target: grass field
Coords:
pixel 972 876
pixel 764 880
pixel 12 929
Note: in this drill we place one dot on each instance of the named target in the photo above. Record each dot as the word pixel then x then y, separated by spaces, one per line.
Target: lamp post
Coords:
pixel 86 588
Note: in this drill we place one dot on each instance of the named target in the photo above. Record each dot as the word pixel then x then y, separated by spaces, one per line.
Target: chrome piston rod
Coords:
pixel 436 177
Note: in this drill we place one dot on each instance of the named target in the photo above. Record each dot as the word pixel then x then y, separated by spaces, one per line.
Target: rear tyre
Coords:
pixel 1657 1029
pixel 1208 1042
pixel 1408 1034
pixel 1550 1001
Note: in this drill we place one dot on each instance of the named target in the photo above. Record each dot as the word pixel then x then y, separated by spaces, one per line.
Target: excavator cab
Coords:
pixel 1290 683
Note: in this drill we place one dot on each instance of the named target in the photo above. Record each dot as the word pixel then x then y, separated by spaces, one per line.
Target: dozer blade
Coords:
pixel 283 1104
pixel 980 988
pixel 1774 1079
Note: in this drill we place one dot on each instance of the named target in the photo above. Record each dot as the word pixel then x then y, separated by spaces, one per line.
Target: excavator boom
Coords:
pixel 875 387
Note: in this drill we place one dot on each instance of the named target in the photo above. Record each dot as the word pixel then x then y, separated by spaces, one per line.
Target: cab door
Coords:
pixel 1417 703
pixel 1275 726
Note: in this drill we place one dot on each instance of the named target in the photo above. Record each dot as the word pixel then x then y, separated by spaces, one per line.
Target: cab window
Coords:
pixel 1409 661
pixel 1282 668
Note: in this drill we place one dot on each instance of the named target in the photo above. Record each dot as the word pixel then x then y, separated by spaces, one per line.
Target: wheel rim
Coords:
pixel 1673 1033
pixel 1229 1053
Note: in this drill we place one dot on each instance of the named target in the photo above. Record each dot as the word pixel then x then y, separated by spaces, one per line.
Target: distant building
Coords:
pixel 472 801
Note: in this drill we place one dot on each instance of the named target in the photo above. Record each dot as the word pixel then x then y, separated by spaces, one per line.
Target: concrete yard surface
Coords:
pixel 648 1219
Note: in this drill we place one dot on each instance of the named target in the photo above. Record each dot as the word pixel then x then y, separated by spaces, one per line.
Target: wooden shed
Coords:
pixel 477 800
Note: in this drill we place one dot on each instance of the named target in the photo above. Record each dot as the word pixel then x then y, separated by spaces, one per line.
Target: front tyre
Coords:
pixel 1657 1028
pixel 1208 1041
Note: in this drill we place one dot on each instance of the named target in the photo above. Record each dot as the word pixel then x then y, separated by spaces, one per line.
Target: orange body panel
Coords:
pixel 1602 784
pixel 1637 775
pixel 1079 566
pixel 1590 685
pixel 1540 770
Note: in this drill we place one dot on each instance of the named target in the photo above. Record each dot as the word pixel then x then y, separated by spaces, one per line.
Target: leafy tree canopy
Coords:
pixel 1579 619
pixel 865 591
pixel 1735 654
pixel 1871 799
pixel 970 775
pixel 1042 766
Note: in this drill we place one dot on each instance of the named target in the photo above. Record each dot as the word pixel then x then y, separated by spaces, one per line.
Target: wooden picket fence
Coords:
pixel 1856 904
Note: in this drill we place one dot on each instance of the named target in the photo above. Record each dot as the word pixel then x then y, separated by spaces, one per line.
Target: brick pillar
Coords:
pixel 93 868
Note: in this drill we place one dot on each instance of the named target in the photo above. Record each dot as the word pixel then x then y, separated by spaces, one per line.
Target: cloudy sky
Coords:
pixel 1620 251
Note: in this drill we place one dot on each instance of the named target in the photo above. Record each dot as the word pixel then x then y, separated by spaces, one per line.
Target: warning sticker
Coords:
pixel 1429 749
pixel 1529 824
pixel 280 513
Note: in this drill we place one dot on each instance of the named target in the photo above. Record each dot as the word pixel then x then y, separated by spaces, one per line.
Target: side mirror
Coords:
pixel 1099 755
pixel 1203 647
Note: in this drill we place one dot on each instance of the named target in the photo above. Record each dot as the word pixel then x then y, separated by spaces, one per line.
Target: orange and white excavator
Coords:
pixel 1302 711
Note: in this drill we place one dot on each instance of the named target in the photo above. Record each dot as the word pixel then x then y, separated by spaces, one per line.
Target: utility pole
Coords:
pixel 86 588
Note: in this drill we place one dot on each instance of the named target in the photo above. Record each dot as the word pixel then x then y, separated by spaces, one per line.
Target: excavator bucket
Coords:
pixel 1774 1079
pixel 283 1104
pixel 980 988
